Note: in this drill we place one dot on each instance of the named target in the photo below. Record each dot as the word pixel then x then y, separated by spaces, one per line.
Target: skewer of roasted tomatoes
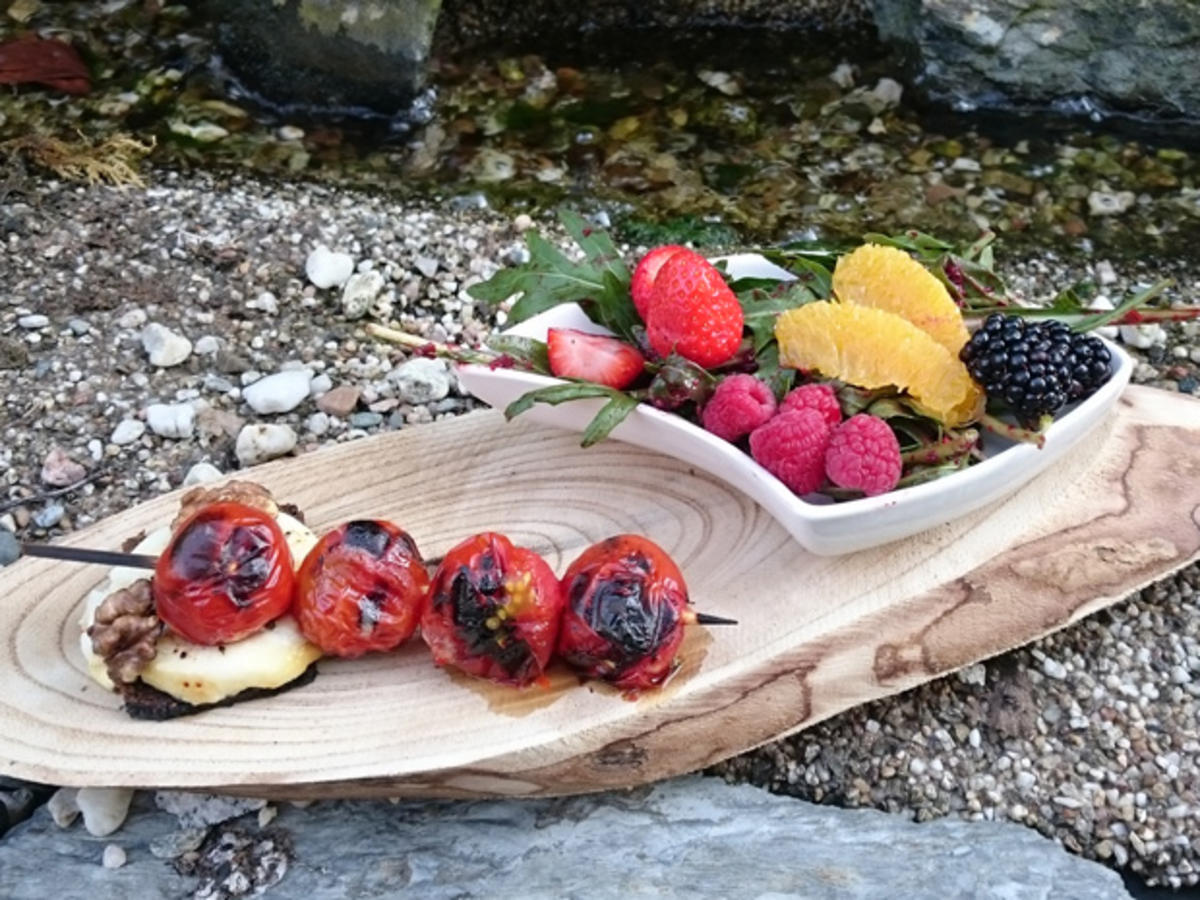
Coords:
pixel 361 589
pixel 493 611
pixel 226 573
pixel 626 608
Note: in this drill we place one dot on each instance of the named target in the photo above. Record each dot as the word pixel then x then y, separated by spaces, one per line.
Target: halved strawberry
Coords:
pixel 593 357
pixel 642 285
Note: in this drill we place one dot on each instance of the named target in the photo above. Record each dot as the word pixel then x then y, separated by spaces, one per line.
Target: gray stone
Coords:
pixel 278 393
pixel 104 809
pixel 79 327
pixel 33 322
pixel 10 550
pixel 194 810
pixel 1080 54
pixel 420 380
pixel 365 419
pixel 49 516
pixel 692 837
pixel 329 55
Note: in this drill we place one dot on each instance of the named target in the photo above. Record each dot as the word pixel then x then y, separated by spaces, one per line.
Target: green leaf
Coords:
pixel 548 279
pixel 611 415
pixel 778 378
pixel 532 353
pixel 761 308
pixel 556 394
pixel 1089 323
pixel 613 307
pixel 808 269
pixel 599 248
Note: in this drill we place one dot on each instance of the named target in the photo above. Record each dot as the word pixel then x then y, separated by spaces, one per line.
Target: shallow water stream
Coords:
pixel 758 143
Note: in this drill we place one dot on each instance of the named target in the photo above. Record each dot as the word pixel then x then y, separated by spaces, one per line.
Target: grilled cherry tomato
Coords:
pixel 626 608
pixel 226 573
pixel 360 589
pixel 493 611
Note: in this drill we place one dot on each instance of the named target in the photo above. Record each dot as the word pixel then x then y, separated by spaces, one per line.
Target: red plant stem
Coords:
pixel 947 448
pixel 1016 432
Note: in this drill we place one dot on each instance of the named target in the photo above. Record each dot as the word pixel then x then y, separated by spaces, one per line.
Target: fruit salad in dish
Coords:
pixel 865 369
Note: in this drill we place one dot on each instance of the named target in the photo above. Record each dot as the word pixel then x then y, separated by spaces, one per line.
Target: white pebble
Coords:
pixel 1143 336
pixel 135 318
pixel 321 384
pixel 360 293
pixel 916 767
pixel 114 857
pixel 33 322
pixel 281 392
pixel 104 809
pixel 317 423
pixel 1052 668
pixel 327 269
pixel 164 347
pixel 128 431
pixel 208 345
pixel 267 815
pixel 201 473
pixel 259 443
pixel 420 380
pixel 171 420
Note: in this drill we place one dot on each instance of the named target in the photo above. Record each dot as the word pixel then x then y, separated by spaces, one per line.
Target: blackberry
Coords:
pixel 1035 367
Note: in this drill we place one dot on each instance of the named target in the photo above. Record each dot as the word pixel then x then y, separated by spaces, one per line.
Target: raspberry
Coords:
pixel 739 405
pixel 792 448
pixel 864 455
pixel 819 397
pixel 694 313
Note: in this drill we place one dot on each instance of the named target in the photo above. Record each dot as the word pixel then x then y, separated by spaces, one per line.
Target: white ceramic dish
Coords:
pixel 826 529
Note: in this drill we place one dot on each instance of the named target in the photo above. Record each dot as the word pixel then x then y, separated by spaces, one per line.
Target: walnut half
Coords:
pixel 246 493
pixel 125 631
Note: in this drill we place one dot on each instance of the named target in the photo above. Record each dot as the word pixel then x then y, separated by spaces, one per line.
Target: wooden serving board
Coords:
pixel 817 635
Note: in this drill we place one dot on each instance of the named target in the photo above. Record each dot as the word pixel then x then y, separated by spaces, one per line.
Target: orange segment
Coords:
pixel 889 279
pixel 871 348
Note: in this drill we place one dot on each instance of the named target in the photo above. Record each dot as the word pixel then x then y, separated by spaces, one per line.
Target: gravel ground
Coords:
pixel 1090 735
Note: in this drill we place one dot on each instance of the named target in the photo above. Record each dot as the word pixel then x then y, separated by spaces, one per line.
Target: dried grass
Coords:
pixel 113 161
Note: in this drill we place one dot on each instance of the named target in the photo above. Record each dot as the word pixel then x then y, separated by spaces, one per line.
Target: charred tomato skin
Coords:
pixel 361 589
pixel 226 573
pixel 493 611
pixel 624 617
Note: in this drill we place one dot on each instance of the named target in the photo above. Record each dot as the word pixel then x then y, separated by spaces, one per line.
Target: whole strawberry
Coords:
pixel 694 313
pixel 641 287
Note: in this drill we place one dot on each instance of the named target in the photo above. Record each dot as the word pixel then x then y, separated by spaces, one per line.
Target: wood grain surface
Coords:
pixel 817 635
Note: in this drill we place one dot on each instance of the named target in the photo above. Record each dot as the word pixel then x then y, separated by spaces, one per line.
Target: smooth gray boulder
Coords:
pixel 692 837
pixel 1074 56
pixel 356 57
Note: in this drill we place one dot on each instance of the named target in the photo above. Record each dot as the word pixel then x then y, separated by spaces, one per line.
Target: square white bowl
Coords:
pixel 827 529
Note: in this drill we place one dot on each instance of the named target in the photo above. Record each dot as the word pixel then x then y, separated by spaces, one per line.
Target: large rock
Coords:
pixel 545 23
pixel 692 837
pixel 327 55
pixel 1072 55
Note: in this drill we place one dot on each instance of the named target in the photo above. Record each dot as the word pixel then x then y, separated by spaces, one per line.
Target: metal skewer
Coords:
pixel 82 555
